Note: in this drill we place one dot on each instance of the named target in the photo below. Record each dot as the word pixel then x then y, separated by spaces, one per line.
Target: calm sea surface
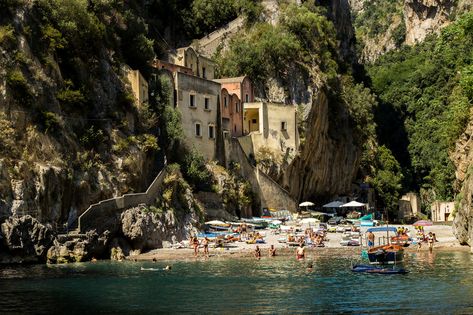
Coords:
pixel 438 283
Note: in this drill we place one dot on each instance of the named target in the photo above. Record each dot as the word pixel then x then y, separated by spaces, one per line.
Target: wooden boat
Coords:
pixel 386 254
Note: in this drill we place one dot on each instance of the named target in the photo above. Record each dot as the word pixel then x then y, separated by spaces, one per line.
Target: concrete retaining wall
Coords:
pixel 102 211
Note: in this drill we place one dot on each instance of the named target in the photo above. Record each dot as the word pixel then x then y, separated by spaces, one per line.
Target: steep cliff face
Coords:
pixel 423 17
pixel 462 157
pixel 329 160
pixel 69 133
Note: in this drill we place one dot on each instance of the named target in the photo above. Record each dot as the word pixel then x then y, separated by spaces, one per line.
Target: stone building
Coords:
pixel 235 92
pixel 187 57
pixel 231 113
pixel 442 211
pixel 270 125
pixel 139 85
pixel 197 100
pixel 409 206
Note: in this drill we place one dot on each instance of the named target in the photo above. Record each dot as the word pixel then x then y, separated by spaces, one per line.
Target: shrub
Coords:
pixel 92 137
pixel 6 35
pixel 51 122
pixel 19 87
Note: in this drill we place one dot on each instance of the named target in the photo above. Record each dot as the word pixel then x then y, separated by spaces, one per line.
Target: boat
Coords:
pixel 386 254
pixel 377 269
pixel 218 225
pixel 402 240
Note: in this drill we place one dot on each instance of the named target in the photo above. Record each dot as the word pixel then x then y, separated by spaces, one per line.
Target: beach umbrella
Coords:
pixel 353 204
pixel 306 204
pixel 333 204
pixel 215 222
pixel 423 223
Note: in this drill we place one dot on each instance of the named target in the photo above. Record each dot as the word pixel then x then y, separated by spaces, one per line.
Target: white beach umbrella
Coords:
pixel 353 204
pixel 306 204
pixel 215 222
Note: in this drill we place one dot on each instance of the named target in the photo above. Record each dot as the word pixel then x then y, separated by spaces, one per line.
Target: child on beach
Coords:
pixel 257 252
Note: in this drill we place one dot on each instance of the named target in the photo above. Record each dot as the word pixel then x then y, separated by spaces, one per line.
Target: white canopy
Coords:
pixel 276 222
pixel 216 222
pixel 306 204
pixel 353 204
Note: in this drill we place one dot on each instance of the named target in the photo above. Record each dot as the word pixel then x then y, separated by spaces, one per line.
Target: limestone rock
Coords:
pixel 423 17
pixel 141 228
pixel 26 237
pixel 76 249
pixel 329 159
pixel 462 158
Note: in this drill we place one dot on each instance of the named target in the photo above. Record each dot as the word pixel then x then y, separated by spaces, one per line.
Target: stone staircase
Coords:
pixel 209 44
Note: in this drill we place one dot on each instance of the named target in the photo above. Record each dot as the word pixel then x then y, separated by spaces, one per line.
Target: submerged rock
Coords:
pixel 27 238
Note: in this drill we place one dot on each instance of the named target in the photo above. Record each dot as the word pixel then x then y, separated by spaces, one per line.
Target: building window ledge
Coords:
pixel 207 110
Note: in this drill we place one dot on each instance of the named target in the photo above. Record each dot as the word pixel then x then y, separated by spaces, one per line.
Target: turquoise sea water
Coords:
pixel 438 283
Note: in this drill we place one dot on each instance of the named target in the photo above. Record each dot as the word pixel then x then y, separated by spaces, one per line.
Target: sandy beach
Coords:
pixel 446 241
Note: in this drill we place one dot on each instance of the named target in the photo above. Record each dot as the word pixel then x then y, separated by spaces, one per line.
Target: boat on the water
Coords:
pixel 386 254
pixel 379 270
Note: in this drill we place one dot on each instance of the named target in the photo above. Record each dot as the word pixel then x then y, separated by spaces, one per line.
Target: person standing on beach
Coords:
pixel 195 244
pixel 370 237
pixel 205 242
pixel 272 251
pixel 430 239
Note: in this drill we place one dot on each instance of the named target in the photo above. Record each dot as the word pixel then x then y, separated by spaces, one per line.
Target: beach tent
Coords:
pixel 333 204
pixel 353 204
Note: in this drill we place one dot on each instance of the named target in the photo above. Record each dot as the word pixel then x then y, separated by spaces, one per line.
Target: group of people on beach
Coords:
pixel 195 244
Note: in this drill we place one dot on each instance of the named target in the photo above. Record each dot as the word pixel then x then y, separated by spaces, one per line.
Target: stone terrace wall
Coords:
pixel 270 193
pixel 102 211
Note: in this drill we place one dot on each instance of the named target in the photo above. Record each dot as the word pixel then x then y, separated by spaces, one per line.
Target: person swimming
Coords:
pixel 310 266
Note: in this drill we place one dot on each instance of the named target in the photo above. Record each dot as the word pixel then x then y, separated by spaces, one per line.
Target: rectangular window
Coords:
pixel 225 102
pixel 192 100
pixel 238 107
pixel 283 125
pixel 197 130
pixel 247 98
pixel 206 103
pixel 211 132
pixel 203 73
pixel 253 121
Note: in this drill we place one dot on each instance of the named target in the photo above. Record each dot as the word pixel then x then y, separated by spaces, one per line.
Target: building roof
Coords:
pixel 231 80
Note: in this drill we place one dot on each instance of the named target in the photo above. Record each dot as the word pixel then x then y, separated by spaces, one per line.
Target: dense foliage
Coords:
pixel 426 96
pixel 304 38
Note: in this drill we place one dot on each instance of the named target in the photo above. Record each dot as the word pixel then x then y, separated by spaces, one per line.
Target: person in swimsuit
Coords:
pixel 205 242
pixel 272 251
pixel 300 252
pixel 430 239
pixel 195 244
pixel 370 237
pixel 257 252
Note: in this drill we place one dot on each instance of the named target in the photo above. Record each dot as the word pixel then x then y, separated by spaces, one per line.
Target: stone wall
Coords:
pixel 101 212
pixel 267 191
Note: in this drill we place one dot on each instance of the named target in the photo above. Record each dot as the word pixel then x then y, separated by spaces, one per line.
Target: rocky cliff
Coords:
pixel 423 17
pixel 329 159
pixel 462 157
pixel 69 132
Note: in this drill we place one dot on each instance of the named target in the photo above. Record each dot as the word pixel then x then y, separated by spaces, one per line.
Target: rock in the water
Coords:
pixel 26 237
pixel 117 254
pixel 80 248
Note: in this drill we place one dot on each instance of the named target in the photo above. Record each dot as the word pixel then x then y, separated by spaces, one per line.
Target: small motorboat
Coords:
pixel 386 254
pixel 378 270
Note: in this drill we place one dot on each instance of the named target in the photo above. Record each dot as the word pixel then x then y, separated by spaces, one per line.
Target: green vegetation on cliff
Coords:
pixel 426 97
